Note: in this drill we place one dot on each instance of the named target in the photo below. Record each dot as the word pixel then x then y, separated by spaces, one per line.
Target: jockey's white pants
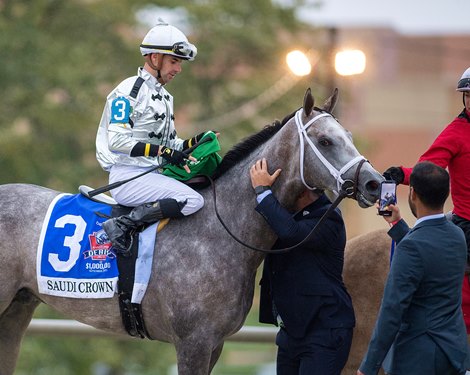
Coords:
pixel 152 187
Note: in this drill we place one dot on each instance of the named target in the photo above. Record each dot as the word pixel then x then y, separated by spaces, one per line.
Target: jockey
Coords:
pixel 137 132
pixel 451 149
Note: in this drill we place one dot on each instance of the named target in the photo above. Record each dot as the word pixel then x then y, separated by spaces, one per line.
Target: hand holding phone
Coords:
pixel 388 195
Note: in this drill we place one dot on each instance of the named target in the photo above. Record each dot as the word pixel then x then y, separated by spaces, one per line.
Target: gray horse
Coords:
pixel 202 281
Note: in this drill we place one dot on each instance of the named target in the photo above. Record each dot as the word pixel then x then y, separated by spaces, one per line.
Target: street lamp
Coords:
pixel 350 62
pixel 346 62
pixel 298 63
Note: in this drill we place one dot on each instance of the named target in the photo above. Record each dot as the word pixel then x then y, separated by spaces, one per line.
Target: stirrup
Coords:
pixel 120 236
pixel 128 251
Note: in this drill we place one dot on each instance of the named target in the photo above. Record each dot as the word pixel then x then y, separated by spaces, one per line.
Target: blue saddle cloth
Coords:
pixel 74 257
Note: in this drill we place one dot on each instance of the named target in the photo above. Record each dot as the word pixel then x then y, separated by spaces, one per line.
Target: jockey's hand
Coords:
pixel 359 372
pixel 260 175
pixel 394 173
pixel 175 157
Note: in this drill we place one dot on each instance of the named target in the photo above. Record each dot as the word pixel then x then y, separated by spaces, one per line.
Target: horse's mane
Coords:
pixel 243 148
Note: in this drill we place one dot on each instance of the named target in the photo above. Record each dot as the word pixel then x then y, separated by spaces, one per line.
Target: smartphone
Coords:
pixel 388 195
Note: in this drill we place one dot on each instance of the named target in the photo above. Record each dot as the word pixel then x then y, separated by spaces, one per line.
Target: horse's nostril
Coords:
pixel 372 187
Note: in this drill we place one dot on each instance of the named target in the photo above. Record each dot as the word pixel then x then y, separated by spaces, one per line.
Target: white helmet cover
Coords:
pixel 166 39
pixel 464 82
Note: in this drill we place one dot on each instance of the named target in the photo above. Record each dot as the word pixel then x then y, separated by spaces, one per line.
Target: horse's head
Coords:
pixel 328 158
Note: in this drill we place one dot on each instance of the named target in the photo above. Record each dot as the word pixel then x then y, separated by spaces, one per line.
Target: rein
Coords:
pixel 349 189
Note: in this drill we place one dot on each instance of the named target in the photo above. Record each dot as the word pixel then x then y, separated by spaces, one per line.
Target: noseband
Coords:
pixel 349 187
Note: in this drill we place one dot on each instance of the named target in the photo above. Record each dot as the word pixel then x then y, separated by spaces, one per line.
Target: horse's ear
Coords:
pixel 309 102
pixel 330 103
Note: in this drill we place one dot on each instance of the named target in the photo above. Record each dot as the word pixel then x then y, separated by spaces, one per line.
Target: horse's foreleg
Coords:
pixel 215 356
pixel 13 323
pixel 196 357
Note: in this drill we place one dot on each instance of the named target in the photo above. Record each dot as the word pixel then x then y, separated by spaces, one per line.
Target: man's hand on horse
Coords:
pixel 260 175
pixel 175 157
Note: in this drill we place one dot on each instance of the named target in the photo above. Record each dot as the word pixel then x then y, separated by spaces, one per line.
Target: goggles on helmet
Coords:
pixel 464 84
pixel 184 50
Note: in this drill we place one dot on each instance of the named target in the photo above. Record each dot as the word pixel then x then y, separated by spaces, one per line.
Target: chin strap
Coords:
pixel 158 66
pixel 302 130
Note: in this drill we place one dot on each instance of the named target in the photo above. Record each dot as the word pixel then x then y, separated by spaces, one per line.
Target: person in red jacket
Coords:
pixel 451 150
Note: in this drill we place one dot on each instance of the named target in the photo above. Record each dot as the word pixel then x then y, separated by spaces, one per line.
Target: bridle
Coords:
pixel 346 188
pixel 337 174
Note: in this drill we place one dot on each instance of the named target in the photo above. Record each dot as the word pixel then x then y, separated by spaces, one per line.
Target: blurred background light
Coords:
pixel 350 62
pixel 298 63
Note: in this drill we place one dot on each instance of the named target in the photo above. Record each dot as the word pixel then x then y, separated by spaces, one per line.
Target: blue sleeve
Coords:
pixel 261 196
pixel 398 231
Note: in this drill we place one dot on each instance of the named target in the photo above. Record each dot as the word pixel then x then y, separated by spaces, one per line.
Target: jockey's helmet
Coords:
pixel 168 40
pixel 464 82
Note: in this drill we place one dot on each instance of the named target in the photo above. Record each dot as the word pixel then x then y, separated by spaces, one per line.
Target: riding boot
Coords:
pixel 120 229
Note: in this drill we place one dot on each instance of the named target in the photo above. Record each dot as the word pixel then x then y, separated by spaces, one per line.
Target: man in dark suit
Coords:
pixel 302 291
pixel 420 320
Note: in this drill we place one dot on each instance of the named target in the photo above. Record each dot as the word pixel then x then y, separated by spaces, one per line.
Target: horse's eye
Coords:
pixel 324 142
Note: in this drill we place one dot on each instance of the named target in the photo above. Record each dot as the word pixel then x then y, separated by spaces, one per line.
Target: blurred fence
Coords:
pixel 63 327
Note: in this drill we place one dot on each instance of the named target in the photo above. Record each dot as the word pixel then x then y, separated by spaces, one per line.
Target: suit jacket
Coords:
pixel 420 308
pixel 305 284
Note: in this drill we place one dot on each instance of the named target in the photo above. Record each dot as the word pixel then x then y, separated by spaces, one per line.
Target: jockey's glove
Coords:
pixel 188 143
pixel 191 141
pixel 394 173
pixel 173 157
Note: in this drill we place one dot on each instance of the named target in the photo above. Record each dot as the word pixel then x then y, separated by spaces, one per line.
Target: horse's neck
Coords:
pixel 236 200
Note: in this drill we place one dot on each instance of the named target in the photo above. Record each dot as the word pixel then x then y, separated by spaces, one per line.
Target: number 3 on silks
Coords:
pixel 120 110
